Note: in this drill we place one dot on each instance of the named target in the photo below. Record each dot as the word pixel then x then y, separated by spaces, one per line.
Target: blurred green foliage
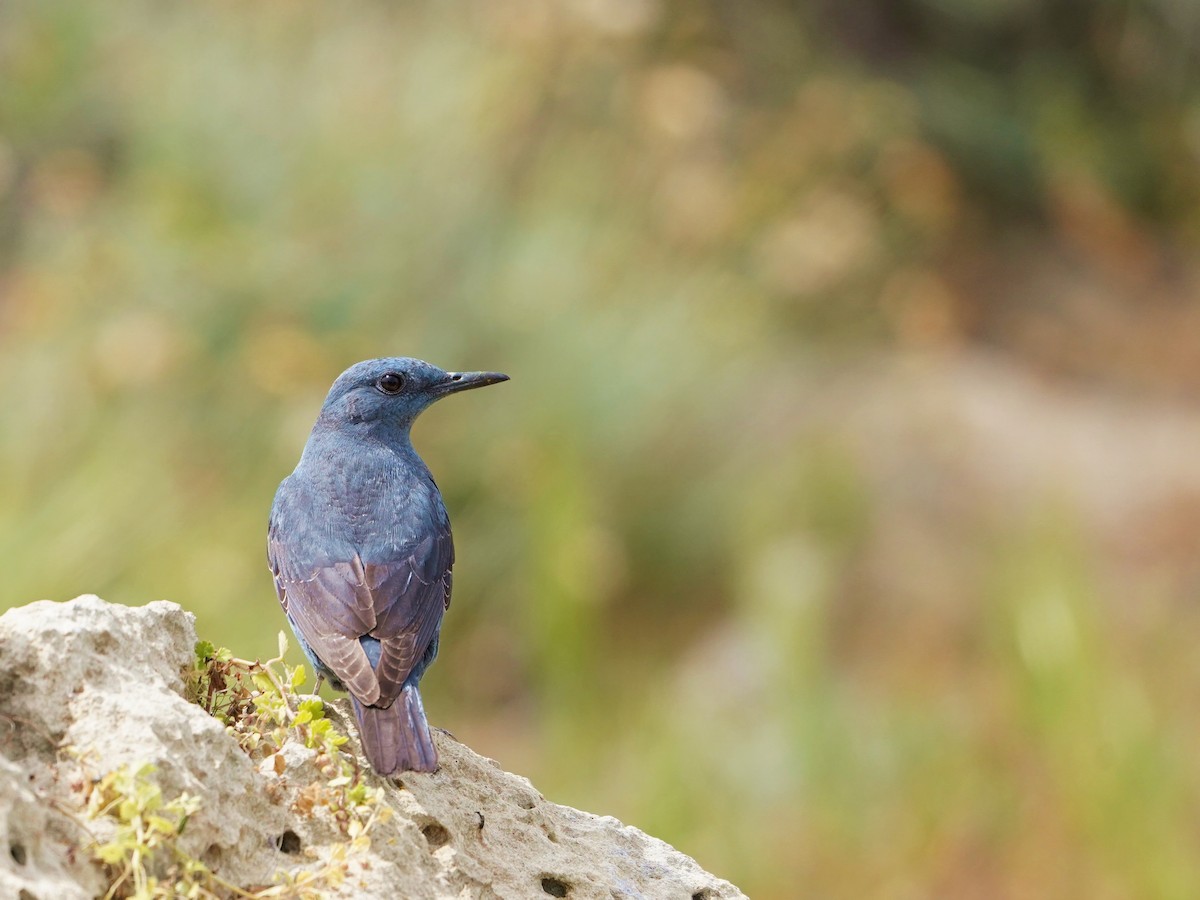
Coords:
pixel 677 600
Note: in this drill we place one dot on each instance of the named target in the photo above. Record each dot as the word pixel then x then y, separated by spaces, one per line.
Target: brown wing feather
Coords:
pixel 400 603
pixel 411 597
pixel 332 609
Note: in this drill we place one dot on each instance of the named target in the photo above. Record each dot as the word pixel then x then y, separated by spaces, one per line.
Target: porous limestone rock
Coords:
pixel 86 686
pixel 90 686
pixel 39 862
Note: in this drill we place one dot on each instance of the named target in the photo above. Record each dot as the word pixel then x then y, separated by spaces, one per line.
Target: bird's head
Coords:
pixel 393 391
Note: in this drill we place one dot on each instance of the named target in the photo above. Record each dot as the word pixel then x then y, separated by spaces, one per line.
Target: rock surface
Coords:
pixel 86 686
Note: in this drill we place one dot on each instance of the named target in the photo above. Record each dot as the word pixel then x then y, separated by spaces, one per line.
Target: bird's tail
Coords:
pixel 396 738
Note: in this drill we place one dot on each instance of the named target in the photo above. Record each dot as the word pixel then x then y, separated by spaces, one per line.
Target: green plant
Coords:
pixel 143 855
pixel 258 703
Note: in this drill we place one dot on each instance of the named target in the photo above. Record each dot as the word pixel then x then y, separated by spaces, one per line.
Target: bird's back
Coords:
pixel 363 498
pixel 361 549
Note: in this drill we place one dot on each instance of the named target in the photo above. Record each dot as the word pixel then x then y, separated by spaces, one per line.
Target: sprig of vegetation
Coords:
pixel 259 706
pixel 143 855
pixel 258 703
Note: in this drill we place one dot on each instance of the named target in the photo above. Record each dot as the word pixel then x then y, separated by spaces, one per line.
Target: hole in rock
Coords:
pixel 436 835
pixel 554 887
pixel 26 895
pixel 288 842
pixel 17 852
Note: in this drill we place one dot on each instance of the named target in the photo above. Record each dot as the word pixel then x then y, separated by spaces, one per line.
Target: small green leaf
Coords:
pixel 110 853
pixel 160 824
pixel 263 683
pixel 314 706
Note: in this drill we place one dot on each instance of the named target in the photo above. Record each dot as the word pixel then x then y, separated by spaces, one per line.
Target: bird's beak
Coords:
pixel 464 381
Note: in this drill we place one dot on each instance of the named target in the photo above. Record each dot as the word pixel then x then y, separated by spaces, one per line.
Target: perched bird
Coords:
pixel 359 543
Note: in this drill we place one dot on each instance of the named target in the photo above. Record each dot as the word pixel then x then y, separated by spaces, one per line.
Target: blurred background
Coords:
pixel 839 524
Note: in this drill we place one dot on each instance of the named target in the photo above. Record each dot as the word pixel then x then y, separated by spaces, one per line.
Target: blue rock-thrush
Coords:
pixel 359 543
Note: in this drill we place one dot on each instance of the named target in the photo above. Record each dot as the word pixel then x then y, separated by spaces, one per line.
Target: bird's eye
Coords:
pixel 391 383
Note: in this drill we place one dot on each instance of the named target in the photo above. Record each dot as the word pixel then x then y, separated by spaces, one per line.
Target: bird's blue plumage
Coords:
pixel 360 546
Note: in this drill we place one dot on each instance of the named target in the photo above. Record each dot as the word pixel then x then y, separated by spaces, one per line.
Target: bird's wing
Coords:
pixel 331 610
pixel 400 602
pixel 410 595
